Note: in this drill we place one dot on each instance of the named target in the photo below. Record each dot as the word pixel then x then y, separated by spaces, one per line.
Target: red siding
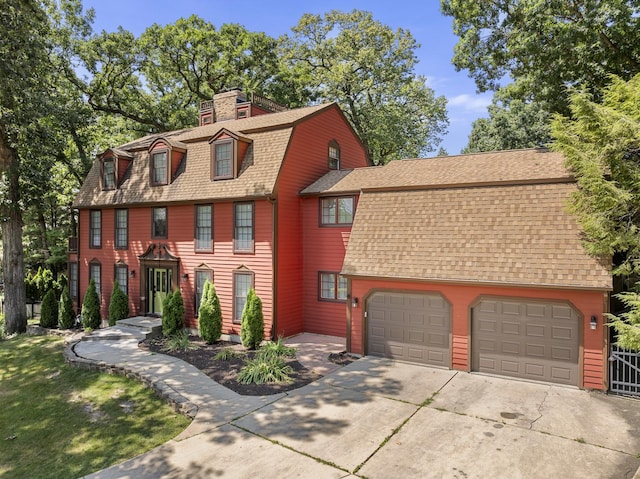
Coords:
pixel 181 243
pixel 306 161
pixel 463 297
pixel 324 250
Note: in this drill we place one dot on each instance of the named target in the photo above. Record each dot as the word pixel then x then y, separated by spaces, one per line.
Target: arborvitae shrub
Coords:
pixel 172 313
pixel 66 314
pixel 119 305
pixel 209 315
pixel 252 329
pixel 49 310
pixel 91 308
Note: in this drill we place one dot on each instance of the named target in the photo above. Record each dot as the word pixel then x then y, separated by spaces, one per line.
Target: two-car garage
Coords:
pixel 523 338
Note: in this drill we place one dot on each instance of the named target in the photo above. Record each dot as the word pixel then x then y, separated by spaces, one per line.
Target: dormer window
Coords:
pixel 108 173
pixel 334 155
pixel 223 159
pixel 159 168
pixel 227 153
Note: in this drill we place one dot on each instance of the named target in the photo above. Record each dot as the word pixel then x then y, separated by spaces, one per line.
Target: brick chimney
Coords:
pixel 233 105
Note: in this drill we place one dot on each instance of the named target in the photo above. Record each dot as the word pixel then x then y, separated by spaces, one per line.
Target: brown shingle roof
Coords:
pixel 519 235
pixel 270 135
pixel 514 166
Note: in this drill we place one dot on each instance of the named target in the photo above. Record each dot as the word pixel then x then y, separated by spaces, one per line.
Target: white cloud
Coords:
pixel 475 103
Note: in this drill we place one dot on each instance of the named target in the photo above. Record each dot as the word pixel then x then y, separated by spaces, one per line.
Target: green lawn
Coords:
pixel 63 422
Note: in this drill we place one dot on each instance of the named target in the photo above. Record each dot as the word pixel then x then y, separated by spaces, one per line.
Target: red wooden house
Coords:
pixel 468 262
pixel 218 201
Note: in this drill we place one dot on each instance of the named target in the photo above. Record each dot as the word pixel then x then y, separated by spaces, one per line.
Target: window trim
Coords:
pixel 153 153
pixel 73 292
pixel 336 283
pixel 252 249
pixel 321 222
pixel 115 229
pixel 336 145
pixel 234 149
pixel 124 266
pixel 203 268
pixel 252 283
pixel 195 230
pixel 93 245
pixel 109 159
pixel 153 222
pixel 92 263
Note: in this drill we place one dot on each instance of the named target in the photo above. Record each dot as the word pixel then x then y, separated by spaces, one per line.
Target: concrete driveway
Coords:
pixel 380 419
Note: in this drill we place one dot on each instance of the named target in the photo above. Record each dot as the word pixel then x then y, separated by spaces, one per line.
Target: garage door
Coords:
pixel 526 339
pixel 409 327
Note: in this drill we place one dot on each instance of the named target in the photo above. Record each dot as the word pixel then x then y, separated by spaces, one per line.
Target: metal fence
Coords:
pixel 624 371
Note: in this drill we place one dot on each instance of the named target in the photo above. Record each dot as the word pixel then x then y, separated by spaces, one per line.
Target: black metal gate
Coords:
pixel 624 371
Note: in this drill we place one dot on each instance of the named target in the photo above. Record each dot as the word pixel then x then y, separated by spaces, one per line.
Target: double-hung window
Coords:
pixel 243 219
pixel 333 287
pixel 159 168
pixel 122 229
pixel 108 174
pixel 95 274
pixel 204 228
pixel 95 229
pixel 73 280
pixel 223 159
pixel 242 282
pixel 334 155
pixel 337 211
pixel 159 228
pixel 202 275
pixel 122 277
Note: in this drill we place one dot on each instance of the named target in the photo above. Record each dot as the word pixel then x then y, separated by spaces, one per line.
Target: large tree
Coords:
pixel 546 46
pixel 158 79
pixel 512 124
pixel 369 70
pixel 33 110
pixel 602 147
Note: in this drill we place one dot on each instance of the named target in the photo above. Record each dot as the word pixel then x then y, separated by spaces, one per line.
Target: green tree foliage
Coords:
pixel 66 314
pixel 209 314
pixel 172 313
pixel 369 70
pixel 546 45
pixel 252 327
pixel 512 124
pixel 118 305
pixel 602 148
pixel 91 318
pixel 158 79
pixel 34 120
pixel 49 310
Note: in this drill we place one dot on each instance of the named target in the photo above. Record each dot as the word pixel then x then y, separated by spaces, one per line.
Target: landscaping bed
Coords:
pixel 225 372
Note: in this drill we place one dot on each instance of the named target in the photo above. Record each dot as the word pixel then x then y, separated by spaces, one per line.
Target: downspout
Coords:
pixel 349 306
pixel 274 267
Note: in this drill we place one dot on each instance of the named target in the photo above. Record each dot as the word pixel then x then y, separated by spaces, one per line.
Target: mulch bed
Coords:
pixel 226 372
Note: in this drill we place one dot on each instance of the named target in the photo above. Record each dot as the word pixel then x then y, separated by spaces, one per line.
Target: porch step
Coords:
pixel 139 327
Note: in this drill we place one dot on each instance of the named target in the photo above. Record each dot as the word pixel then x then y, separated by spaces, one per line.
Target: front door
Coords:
pixel 158 286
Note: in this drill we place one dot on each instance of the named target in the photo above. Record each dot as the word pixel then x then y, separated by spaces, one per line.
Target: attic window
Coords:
pixel 334 155
pixel 159 168
pixel 223 159
pixel 108 174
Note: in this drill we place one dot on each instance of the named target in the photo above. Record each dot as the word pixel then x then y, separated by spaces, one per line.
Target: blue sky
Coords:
pixel 422 18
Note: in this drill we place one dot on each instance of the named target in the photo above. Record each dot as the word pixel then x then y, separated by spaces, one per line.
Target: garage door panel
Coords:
pixel 540 343
pixel 410 327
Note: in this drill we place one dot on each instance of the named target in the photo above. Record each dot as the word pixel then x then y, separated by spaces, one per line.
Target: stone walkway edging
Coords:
pixel 177 401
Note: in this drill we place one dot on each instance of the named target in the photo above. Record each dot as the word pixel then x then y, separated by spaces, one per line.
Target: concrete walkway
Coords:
pixel 375 418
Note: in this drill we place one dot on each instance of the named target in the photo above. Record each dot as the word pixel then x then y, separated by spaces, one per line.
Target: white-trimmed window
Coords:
pixel 223 159
pixel 159 168
pixel 334 155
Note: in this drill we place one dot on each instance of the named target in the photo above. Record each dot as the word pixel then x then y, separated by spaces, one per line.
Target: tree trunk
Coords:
pixel 42 225
pixel 12 252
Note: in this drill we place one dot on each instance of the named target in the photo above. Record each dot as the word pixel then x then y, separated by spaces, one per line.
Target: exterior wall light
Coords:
pixel 594 322
pixel 185 277
pixel 132 273
pixel 354 303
